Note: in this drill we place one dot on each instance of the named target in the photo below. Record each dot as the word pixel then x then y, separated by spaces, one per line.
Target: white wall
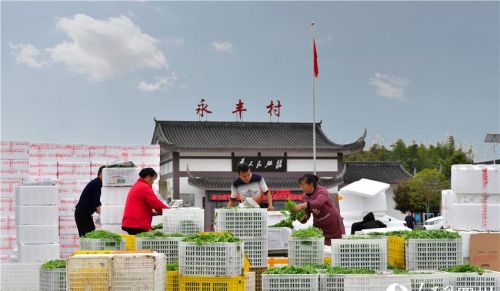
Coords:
pixel 205 154
pixel 205 165
pixel 330 165
pixel 166 168
pixel 184 187
pixel 391 204
pixel 309 154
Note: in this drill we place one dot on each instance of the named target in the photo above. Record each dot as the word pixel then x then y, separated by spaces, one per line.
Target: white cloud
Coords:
pixel 174 41
pixel 222 46
pixel 102 48
pixel 161 83
pixel 27 54
pixel 389 86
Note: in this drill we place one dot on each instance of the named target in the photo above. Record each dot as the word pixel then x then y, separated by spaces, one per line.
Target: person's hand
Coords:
pixel 270 208
pixel 299 207
pixel 315 211
pixel 156 213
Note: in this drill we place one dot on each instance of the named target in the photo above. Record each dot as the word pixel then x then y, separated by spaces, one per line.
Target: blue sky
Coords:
pixel 99 72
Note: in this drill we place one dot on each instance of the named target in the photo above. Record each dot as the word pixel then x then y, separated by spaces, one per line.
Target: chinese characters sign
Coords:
pixel 274 108
pixel 261 164
pixel 240 107
pixel 278 195
pixel 202 109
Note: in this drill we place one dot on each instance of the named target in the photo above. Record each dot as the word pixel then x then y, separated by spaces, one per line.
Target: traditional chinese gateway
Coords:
pixel 198 158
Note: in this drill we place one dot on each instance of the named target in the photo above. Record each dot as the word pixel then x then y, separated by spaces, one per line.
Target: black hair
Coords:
pixel 309 179
pixel 147 172
pixel 99 172
pixel 242 167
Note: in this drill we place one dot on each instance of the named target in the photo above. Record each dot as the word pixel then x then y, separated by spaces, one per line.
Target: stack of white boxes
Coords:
pixel 37 223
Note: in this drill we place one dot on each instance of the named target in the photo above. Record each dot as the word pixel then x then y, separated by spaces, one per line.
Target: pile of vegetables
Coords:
pixel 157 226
pixel 157 233
pixel 341 270
pixel 290 215
pixel 467 268
pixel 172 267
pixel 310 232
pixel 211 237
pixel 54 264
pixel 103 235
pixel 284 223
pixel 420 234
pixel 286 270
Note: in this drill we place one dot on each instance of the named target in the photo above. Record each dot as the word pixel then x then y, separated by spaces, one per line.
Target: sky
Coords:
pixel 101 72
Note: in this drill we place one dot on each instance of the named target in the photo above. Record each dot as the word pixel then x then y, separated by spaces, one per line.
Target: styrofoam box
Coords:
pixel 37 195
pixel 108 153
pixel 473 220
pixel 74 170
pixel 8 243
pixel 71 189
pixel 20 276
pixel 14 169
pixel 73 153
pixel 7 205
pixel 45 170
pixel 477 198
pixel 447 200
pixel 36 215
pixel 38 234
pixel 7 225
pixel 119 176
pixel 14 150
pixel 115 228
pixel 8 187
pixel 67 206
pixel 475 179
pixel 69 242
pixel 146 154
pixel 43 152
pixel 37 253
pixel 111 214
pixel 114 195
pixel 67 225
pixel 277 237
pixel 465 235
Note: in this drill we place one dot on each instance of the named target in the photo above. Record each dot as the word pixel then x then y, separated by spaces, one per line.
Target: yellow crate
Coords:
pixel 258 277
pixel 129 241
pixel 172 281
pixel 396 251
pixel 90 252
pixel 199 283
pixel 327 260
pixel 246 264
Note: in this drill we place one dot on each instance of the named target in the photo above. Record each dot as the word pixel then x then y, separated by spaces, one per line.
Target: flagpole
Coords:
pixel 314 108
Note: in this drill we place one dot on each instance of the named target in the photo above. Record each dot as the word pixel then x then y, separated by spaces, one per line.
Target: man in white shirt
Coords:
pixel 250 185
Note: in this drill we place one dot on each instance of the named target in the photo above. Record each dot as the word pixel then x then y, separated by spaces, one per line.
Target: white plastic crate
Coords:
pixel 112 214
pixel 331 282
pixel 374 282
pixel 89 272
pixel 36 215
pixel 38 234
pixel 101 244
pixel 277 238
pixel 256 251
pixel 188 220
pixel 305 251
pixel 360 253
pixel 169 246
pixel 469 178
pixel 425 281
pixel 433 254
pixel 114 195
pixel 473 281
pixel 74 170
pixel 20 276
pixel 213 259
pixel 37 195
pixel 139 272
pixel 118 177
pixel 37 253
pixel 53 279
pixel 297 282
pixel 14 150
pixel 249 281
pixel 14 169
pixel 242 222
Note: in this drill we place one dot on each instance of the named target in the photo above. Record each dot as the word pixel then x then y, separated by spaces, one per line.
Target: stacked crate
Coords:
pixel 169 246
pixel 185 220
pixel 296 282
pixel 250 225
pixel 37 223
pixel 369 253
pixel 138 271
pixel 305 251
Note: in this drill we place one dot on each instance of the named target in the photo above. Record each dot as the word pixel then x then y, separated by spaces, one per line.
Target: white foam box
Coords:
pixel 94 167
pixel 112 214
pixel 38 234
pixel 73 153
pixel 114 195
pixel 36 215
pixel 8 187
pixel 43 152
pixel 14 150
pixel 69 242
pixel 465 235
pixel 7 206
pixel 145 154
pixel 67 206
pixel 471 217
pixel 20 276
pixel 277 238
pixel 14 169
pixel 7 226
pixel 117 177
pixel 74 170
pixel 115 228
pixel 108 153
pixel 42 170
pixel 447 200
pixel 71 189
pixel 477 198
pixel 475 179
pixel 7 243
pixel 28 253
pixel 67 225
pixel 37 195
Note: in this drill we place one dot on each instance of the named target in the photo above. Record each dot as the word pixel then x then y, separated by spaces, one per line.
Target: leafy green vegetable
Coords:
pixel 284 223
pixel 172 267
pixel 211 237
pixel 309 232
pixel 424 234
pixel 157 233
pixel 341 270
pixel 360 237
pixel 157 226
pixel 103 234
pixel 289 205
pixel 54 264
pixel 291 270
pixel 467 268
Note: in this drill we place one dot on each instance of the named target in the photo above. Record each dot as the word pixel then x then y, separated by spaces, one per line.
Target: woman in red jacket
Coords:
pixel 317 201
pixel 141 204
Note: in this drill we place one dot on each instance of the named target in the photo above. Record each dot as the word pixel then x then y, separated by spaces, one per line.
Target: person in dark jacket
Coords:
pixel 89 202
pixel 410 220
pixel 317 201
pixel 368 222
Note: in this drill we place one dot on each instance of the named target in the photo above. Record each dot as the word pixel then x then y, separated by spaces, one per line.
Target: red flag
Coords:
pixel 315 55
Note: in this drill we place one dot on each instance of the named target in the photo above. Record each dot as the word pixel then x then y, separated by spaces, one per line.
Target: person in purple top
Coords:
pixel 317 201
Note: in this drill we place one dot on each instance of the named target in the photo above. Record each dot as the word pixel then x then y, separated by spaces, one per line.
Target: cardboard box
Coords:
pixel 485 250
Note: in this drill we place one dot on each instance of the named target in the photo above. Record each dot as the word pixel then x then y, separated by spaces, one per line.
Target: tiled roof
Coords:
pixel 210 135
pixel 387 172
